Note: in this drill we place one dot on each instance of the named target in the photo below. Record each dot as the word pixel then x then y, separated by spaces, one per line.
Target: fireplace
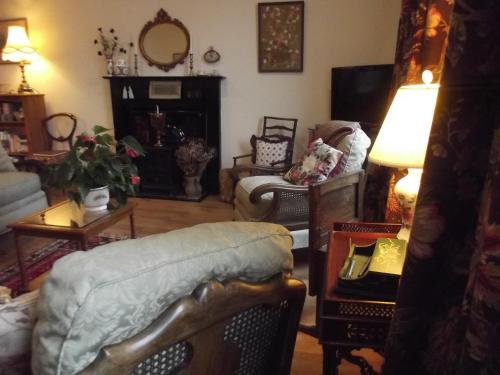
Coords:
pixel 162 117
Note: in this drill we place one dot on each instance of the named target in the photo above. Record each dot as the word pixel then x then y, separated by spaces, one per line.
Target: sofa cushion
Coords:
pixel 5 162
pixel 99 297
pixel 17 185
pixel 16 324
pixel 16 210
pixel 354 146
pixel 252 212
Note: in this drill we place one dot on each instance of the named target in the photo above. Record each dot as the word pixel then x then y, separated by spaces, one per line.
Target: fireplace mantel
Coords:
pixel 191 104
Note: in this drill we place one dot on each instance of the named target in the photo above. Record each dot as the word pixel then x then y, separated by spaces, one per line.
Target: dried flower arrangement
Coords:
pixel 109 44
pixel 193 156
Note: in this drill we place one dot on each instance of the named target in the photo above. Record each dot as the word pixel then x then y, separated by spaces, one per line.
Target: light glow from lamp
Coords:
pixel 402 142
pixel 18 49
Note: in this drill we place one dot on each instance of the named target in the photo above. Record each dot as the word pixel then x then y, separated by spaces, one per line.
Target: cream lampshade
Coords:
pixel 402 142
pixel 18 48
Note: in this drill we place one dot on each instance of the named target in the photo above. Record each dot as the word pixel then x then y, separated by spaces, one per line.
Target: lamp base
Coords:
pixel 406 193
pixel 24 86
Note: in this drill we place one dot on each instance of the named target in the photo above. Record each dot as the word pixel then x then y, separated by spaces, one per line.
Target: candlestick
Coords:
pixel 136 67
pixel 157 111
pixel 191 64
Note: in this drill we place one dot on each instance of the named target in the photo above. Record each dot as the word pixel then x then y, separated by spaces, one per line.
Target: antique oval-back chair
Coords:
pixel 70 124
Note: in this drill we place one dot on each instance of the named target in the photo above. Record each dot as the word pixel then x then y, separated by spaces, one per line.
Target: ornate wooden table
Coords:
pixel 347 323
pixel 66 221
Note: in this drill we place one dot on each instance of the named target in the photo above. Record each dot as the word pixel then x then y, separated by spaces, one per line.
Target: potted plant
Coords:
pixel 96 167
pixel 192 157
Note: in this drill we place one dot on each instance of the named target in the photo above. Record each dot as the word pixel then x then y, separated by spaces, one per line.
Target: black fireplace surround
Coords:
pixel 191 108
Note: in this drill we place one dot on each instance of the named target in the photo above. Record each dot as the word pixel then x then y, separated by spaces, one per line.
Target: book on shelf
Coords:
pixel 13 142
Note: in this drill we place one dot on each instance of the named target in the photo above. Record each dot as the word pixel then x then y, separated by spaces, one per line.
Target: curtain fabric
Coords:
pixel 447 318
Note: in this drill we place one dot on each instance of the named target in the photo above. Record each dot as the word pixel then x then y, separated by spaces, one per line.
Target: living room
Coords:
pixel 71 76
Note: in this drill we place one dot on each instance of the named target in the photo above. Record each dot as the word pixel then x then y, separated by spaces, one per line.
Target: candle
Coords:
pixel 157 111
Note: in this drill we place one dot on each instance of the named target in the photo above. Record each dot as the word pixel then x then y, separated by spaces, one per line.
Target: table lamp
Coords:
pixel 18 48
pixel 402 142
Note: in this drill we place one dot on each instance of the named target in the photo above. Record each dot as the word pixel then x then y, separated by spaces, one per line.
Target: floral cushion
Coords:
pixel 316 164
pixel 268 152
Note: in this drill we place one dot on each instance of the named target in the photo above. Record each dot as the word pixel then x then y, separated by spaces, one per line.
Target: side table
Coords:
pixel 348 323
pixel 62 221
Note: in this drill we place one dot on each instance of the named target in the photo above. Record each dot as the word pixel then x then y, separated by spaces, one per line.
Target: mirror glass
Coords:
pixel 164 42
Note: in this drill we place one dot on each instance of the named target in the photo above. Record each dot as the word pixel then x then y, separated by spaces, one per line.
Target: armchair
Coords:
pixel 273 199
pixel 274 148
pixel 126 307
pixel 271 154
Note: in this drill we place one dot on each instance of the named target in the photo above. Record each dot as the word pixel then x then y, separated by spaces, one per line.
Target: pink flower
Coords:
pixel 86 138
pixel 135 180
pixel 131 152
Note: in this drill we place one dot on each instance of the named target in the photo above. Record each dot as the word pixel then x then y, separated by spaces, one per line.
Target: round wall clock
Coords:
pixel 211 56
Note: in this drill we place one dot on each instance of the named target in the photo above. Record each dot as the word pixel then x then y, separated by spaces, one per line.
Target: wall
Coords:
pixel 337 33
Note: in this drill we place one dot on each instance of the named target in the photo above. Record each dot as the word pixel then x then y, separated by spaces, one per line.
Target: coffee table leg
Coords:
pixel 132 227
pixel 20 261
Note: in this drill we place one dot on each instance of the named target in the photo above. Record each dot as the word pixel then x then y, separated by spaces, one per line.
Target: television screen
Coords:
pixel 360 93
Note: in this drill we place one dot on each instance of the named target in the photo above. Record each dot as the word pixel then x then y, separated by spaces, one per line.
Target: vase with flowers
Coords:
pixel 99 167
pixel 192 157
pixel 109 45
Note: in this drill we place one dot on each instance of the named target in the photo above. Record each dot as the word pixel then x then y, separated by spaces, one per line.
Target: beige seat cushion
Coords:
pixel 246 210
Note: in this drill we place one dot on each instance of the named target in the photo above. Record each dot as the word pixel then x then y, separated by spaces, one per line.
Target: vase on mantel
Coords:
pixel 109 66
pixel 192 186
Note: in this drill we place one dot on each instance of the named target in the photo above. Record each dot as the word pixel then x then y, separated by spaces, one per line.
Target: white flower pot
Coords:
pixel 97 199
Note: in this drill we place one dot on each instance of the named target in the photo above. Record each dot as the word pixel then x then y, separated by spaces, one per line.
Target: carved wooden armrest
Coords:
pixel 236 158
pixel 259 191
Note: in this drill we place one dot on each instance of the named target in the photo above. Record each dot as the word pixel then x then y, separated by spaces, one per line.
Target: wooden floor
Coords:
pixel 156 216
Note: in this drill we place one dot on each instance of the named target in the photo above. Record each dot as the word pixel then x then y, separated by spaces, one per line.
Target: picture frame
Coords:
pixel 165 89
pixel 4 26
pixel 281 36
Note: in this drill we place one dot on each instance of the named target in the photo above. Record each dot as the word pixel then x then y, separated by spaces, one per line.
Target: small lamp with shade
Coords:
pixel 18 49
pixel 402 142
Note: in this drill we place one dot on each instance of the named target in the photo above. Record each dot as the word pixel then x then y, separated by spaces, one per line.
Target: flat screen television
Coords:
pixel 360 93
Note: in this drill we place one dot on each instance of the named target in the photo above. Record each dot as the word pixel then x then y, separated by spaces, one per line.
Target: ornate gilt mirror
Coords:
pixel 164 42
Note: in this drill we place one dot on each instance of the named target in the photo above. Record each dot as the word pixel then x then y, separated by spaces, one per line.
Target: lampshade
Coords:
pixel 18 46
pixel 402 139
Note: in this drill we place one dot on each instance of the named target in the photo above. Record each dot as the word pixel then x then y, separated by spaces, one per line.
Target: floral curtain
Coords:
pixel 447 318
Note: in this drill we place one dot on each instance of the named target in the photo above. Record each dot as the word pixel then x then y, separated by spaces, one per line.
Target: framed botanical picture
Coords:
pixel 4 26
pixel 281 36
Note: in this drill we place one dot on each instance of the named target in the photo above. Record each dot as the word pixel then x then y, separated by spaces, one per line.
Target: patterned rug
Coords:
pixel 41 261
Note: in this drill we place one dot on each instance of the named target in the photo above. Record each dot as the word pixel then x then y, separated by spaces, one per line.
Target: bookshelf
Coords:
pixel 21 131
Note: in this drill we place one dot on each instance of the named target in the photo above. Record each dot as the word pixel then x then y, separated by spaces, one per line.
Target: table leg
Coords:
pixel 132 226
pixel 331 360
pixel 20 261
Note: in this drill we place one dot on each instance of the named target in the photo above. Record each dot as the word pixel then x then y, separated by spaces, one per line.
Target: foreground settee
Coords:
pixel 105 295
pixel 20 192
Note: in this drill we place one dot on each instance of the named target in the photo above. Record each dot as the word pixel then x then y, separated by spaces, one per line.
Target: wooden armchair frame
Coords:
pixel 196 326
pixel 291 205
pixel 273 130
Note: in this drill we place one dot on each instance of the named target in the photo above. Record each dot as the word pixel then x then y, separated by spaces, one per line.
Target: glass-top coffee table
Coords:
pixel 67 221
